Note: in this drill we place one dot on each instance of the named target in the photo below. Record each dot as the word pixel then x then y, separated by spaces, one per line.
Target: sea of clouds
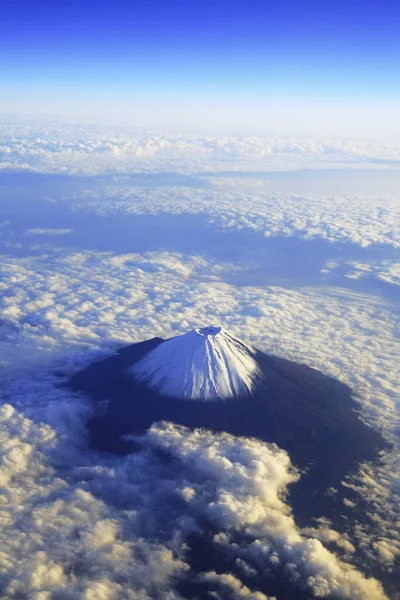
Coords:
pixel 51 147
pixel 160 234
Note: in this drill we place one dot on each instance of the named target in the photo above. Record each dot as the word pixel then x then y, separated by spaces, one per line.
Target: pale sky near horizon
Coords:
pixel 286 67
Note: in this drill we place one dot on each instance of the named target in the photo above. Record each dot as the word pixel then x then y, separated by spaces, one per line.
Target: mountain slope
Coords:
pixel 204 364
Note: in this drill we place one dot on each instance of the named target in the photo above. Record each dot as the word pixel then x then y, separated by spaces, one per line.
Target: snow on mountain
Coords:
pixel 203 364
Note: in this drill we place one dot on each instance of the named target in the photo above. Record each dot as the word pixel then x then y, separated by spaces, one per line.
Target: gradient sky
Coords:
pixel 119 58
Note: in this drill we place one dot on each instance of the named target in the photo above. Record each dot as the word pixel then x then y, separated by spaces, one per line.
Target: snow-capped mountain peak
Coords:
pixel 203 364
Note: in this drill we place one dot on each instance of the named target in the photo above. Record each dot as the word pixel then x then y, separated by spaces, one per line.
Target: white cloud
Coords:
pixel 43 231
pixel 228 583
pixel 61 306
pixel 358 220
pixel 78 149
pixel 90 526
pixel 58 537
pixel 249 476
pixel 82 530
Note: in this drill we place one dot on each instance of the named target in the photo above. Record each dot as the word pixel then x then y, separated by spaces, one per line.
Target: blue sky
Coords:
pixel 66 56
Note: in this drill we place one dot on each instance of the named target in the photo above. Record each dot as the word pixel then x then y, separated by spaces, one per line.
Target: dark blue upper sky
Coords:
pixel 148 48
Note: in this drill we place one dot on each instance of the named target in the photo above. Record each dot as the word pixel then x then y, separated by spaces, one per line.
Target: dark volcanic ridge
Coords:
pixel 310 415
pixel 209 379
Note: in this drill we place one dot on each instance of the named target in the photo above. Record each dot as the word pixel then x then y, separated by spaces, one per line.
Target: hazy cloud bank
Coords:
pixel 52 147
pixel 76 524
pixel 356 219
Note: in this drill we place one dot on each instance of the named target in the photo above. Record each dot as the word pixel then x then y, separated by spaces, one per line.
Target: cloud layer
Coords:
pixel 358 220
pixel 97 531
pixel 48 146
pixel 311 278
pixel 76 301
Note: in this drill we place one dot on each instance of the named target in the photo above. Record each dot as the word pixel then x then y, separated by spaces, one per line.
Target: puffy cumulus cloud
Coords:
pixel 70 306
pixel 87 526
pixel 90 525
pixel 386 270
pixel 359 220
pixel 75 524
pixel 79 149
pixel 329 536
pixel 243 483
pixel 226 582
pixel 59 538
pixel 380 486
pixel 20 446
